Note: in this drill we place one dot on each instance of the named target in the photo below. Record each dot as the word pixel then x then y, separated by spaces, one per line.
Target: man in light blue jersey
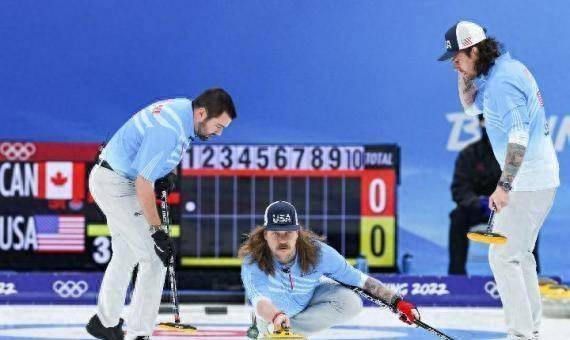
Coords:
pixel 284 273
pixel 505 91
pixel 145 149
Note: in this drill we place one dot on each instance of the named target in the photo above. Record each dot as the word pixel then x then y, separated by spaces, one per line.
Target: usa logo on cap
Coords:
pixel 281 216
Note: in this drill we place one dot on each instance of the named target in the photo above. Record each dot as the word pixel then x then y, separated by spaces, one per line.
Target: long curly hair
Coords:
pixel 256 247
pixel 489 50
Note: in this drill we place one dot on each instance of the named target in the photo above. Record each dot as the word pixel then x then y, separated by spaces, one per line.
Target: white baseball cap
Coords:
pixel 460 36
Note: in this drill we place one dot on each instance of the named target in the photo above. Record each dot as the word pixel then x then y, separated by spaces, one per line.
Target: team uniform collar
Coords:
pixel 285 267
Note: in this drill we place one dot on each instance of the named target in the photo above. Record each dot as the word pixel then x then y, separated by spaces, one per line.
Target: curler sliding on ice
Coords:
pixel 298 285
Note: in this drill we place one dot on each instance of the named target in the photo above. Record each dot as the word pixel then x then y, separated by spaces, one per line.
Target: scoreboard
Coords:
pixel 347 193
pixel 49 221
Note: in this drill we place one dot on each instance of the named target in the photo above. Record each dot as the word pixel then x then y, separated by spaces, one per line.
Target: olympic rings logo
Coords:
pixel 492 290
pixel 17 151
pixel 70 288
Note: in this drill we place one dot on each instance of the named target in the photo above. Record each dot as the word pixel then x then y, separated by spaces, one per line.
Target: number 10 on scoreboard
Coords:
pixel 378 217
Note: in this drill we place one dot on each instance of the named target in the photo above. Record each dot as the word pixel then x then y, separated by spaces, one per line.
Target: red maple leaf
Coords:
pixel 59 179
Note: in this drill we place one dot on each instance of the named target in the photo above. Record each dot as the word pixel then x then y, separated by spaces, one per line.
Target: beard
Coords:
pixel 201 132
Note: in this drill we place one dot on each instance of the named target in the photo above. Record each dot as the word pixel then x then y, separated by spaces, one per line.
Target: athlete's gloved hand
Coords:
pixel 163 246
pixel 166 183
pixel 408 312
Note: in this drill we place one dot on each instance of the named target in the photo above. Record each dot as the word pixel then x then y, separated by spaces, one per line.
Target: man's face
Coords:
pixel 206 127
pixel 282 244
pixel 465 63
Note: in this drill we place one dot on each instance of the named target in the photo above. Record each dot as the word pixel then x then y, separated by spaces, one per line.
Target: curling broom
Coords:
pixel 488 236
pixel 176 325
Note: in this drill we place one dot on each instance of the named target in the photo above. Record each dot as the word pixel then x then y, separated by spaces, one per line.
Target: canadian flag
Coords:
pixel 61 180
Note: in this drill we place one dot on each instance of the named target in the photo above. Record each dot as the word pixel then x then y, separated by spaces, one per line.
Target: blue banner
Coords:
pixel 49 288
pixel 474 291
pixel 82 288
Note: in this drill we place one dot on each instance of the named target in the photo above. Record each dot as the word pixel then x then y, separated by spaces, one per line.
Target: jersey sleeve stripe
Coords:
pixel 151 165
pixel 175 154
pixel 145 119
pixel 163 122
pixel 250 287
pixel 138 124
pixel 518 119
pixel 176 119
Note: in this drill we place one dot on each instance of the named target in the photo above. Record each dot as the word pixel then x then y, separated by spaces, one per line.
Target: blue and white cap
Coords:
pixel 460 36
pixel 281 216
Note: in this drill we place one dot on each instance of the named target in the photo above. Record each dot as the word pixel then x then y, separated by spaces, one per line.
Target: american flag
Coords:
pixel 467 41
pixel 60 233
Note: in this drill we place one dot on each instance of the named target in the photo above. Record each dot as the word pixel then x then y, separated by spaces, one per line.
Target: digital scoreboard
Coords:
pixel 48 220
pixel 347 193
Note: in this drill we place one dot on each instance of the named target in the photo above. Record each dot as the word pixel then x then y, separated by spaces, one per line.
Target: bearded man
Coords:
pixel 284 273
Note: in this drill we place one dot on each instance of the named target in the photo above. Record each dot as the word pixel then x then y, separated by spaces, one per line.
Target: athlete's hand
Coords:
pixel 281 320
pixel 499 199
pixel 408 312
pixel 163 246
pixel 467 93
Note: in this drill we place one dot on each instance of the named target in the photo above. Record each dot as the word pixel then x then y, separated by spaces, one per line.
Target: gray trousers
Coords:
pixel 132 244
pixel 513 264
pixel 331 305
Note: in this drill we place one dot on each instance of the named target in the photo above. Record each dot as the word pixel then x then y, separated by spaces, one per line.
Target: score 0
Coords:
pixel 377 195
pixel 377 229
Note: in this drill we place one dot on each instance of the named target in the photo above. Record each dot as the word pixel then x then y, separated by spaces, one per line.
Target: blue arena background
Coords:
pixel 299 71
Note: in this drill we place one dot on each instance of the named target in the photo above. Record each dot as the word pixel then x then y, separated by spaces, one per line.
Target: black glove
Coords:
pixel 163 246
pixel 166 183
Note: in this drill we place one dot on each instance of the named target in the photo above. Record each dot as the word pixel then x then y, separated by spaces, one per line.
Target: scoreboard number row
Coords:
pixel 285 157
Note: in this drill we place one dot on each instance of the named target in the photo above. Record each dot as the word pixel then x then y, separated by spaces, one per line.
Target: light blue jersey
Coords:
pixel 152 142
pixel 289 289
pixel 514 111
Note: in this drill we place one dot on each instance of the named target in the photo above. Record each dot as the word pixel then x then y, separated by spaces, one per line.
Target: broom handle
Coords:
pixel 171 272
pixel 491 219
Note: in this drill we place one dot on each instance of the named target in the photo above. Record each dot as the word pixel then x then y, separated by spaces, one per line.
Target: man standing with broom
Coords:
pixel 146 148
pixel 504 90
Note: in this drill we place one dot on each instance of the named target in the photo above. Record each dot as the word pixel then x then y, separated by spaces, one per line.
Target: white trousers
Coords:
pixel 132 244
pixel 513 264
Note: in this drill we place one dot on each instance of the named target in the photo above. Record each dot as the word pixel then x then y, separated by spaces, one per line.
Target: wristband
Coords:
pixel 394 302
pixel 276 315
